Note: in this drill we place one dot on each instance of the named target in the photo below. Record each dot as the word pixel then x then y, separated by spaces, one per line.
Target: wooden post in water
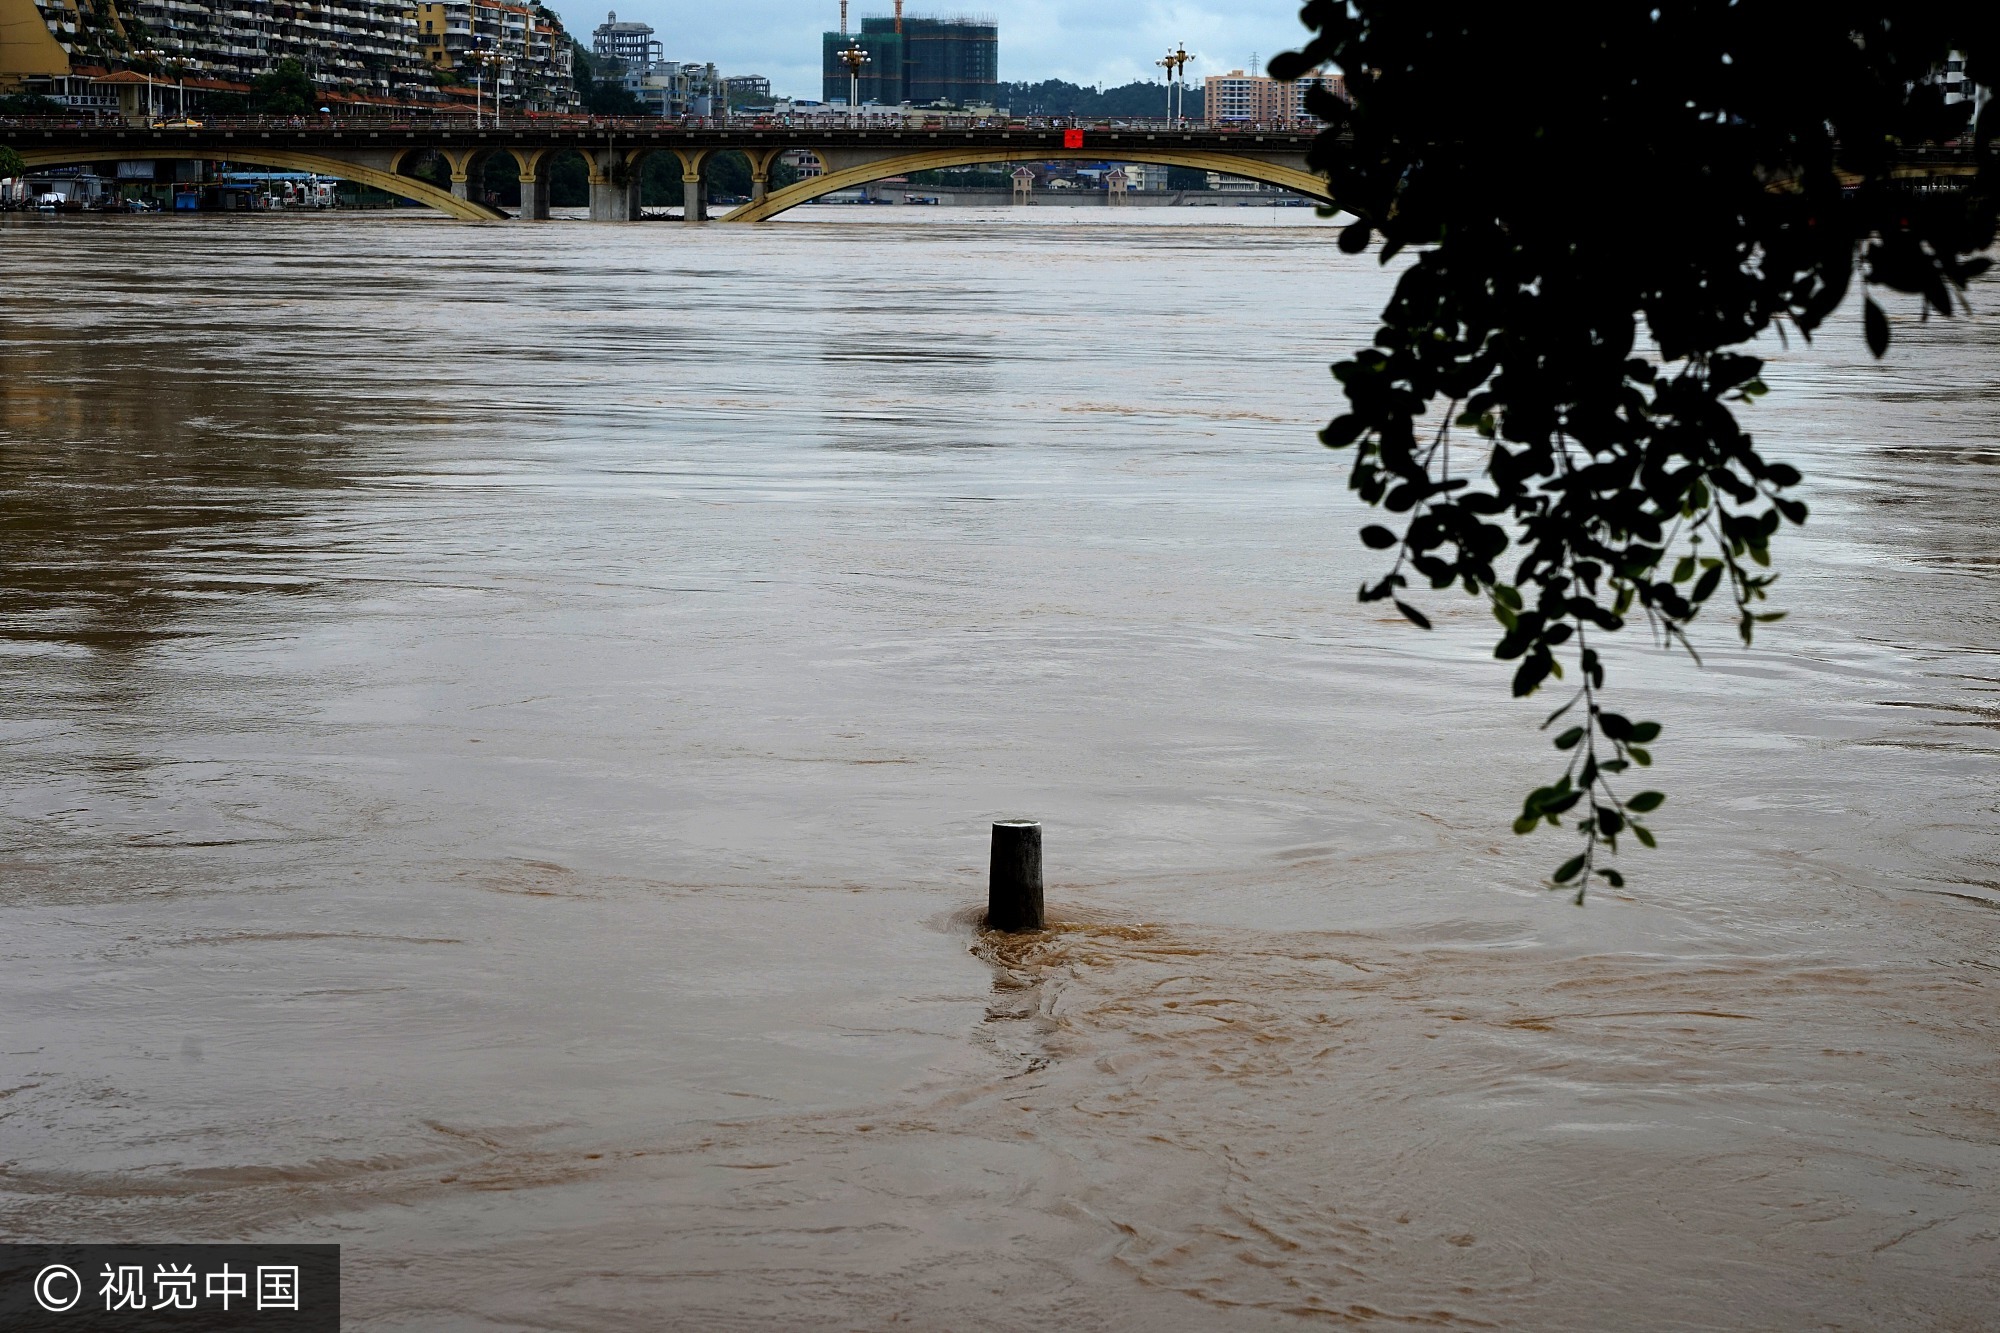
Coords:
pixel 1014 885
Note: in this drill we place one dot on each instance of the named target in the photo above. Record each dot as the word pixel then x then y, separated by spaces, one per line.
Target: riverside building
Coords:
pixel 629 55
pixel 354 50
pixel 520 53
pixel 1253 99
pixel 630 46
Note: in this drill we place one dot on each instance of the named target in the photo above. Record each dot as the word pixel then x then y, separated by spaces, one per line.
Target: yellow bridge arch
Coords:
pixel 289 159
pixel 1252 168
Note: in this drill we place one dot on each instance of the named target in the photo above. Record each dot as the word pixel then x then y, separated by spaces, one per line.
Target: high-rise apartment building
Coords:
pixel 1239 98
pixel 519 53
pixel 917 60
pixel 374 49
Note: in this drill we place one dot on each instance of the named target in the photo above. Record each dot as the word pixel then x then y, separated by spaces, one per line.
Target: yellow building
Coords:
pixel 28 45
pixel 432 24
pixel 520 50
pixel 60 45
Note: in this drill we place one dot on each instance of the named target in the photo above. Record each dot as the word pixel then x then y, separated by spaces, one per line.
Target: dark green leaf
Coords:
pixel 1645 801
pixel 1342 432
pixel 1567 871
pixel 1530 675
pixel 1876 325
pixel 1414 616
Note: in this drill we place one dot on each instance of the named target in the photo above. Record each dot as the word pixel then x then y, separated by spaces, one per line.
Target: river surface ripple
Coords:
pixel 498 727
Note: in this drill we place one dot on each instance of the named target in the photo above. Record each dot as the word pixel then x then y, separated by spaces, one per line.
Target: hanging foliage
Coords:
pixel 1601 209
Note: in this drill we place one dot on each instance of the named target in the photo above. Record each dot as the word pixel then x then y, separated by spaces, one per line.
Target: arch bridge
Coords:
pixel 385 155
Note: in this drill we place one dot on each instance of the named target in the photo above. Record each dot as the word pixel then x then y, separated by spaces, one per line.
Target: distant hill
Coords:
pixel 1053 97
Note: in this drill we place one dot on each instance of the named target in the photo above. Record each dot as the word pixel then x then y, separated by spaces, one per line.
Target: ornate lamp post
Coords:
pixel 486 61
pixel 1166 62
pixel 854 58
pixel 1178 57
pixel 477 59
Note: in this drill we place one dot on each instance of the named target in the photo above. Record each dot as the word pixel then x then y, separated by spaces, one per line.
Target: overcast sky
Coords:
pixel 1084 41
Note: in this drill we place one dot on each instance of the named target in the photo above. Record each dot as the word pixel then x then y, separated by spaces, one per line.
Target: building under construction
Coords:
pixel 916 60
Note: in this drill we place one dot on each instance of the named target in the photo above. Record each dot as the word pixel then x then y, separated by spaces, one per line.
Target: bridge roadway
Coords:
pixel 384 154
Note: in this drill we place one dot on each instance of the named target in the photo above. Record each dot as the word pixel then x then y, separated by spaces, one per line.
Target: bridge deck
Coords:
pixel 226 136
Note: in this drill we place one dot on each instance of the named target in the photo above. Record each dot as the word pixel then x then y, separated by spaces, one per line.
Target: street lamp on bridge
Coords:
pixel 1176 61
pixel 483 60
pixel 854 58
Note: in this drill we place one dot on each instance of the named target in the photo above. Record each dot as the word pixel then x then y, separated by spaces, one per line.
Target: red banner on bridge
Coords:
pixel 1072 138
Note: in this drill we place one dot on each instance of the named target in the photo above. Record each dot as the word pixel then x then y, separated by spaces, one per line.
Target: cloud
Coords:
pixel 1083 41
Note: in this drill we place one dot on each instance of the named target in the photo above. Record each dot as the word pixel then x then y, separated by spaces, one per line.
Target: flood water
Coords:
pixel 499 726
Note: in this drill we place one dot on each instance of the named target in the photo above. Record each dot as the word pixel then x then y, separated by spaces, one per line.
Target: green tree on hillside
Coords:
pixel 285 90
pixel 599 99
pixel 1056 97
pixel 1549 409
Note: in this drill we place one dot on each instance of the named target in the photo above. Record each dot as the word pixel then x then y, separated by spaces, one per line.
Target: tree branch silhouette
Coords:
pixel 1600 210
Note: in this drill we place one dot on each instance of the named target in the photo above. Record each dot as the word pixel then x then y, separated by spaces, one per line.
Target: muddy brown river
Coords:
pixel 499 726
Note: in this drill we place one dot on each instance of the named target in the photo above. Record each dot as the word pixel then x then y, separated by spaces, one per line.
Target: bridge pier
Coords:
pixel 534 199
pixel 694 195
pixel 614 189
pixel 611 202
pixel 461 184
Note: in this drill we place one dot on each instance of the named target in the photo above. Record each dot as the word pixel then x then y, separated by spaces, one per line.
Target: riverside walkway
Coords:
pixel 386 154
